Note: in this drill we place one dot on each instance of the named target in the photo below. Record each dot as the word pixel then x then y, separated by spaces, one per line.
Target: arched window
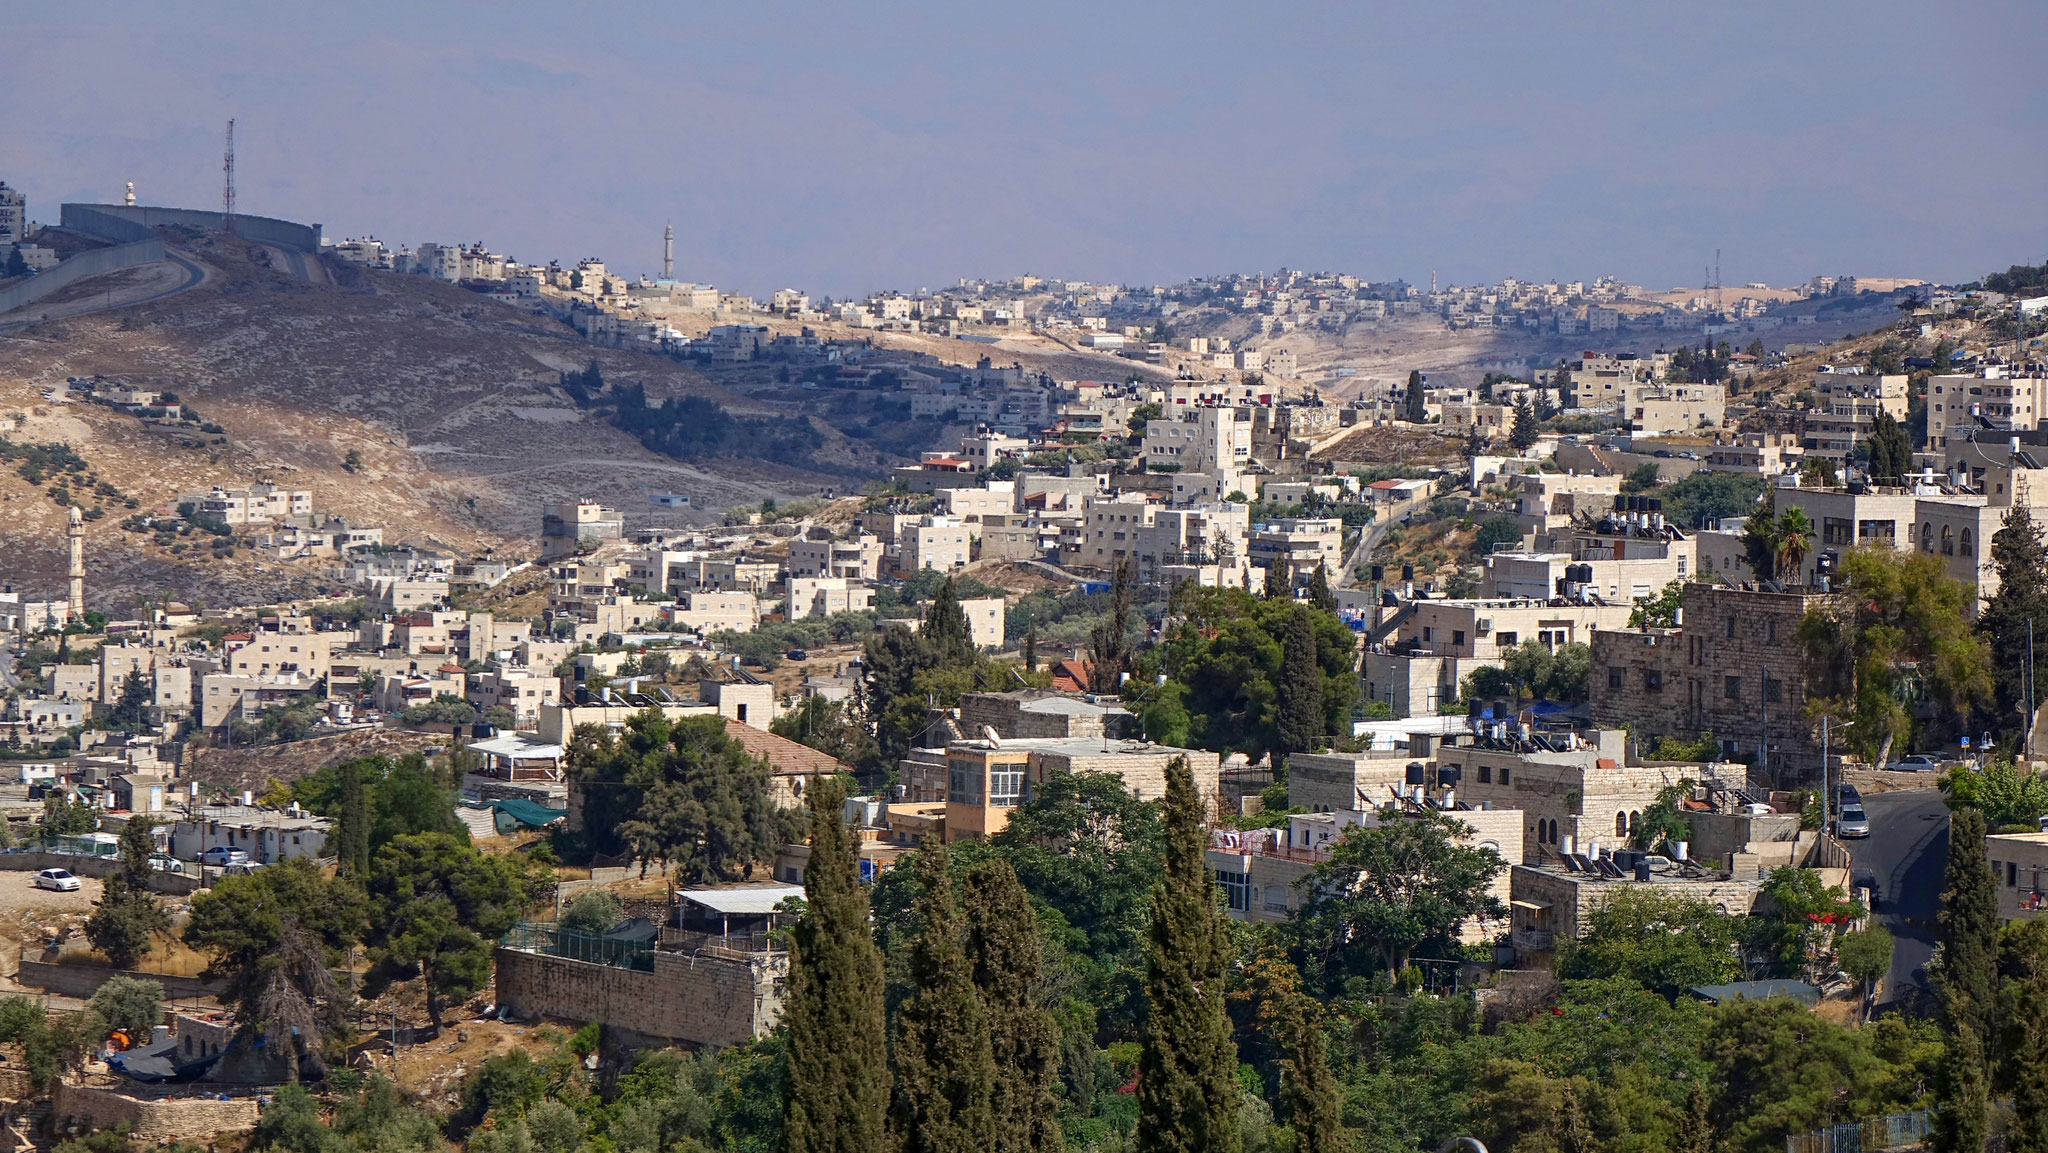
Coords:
pixel 1553 832
pixel 1927 537
pixel 1621 824
pixel 1964 546
pixel 1635 823
pixel 1948 540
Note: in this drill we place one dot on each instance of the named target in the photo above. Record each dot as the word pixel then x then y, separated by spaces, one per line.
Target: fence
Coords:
pixel 1897 1131
pixel 534 937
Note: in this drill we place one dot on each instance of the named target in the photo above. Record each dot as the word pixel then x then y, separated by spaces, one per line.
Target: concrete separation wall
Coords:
pixel 108 220
pixel 187 1116
pixel 82 981
pixel 697 999
pixel 85 264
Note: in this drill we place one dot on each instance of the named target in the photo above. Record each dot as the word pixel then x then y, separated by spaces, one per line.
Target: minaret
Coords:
pixel 668 253
pixel 77 565
pixel 130 199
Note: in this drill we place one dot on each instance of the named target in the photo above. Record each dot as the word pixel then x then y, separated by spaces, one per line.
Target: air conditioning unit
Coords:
pixel 1484 624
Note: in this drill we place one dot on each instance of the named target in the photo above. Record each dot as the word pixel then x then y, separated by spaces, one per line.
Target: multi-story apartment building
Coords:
pixel 1154 536
pixel 1845 409
pixel 1206 438
pixel 934 542
pixel 1299 543
pixel 858 559
pixel 1998 399
pixel 565 527
pixel 257 504
pixel 823 596
pixel 1416 660
pixel 1754 454
pixel 1659 409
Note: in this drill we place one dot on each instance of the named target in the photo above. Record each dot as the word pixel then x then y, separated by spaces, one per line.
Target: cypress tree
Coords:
pixel 1187 1069
pixel 1031 649
pixel 1302 723
pixel 1964 984
pixel 1319 593
pixel 1291 1022
pixel 836 1099
pixel 945 1071
pixel 945 627
pixel 1009 973
pixel 1278 579
pixel 2021 560
pixel 1418 411
pixel 352 825
pixel 2025 1005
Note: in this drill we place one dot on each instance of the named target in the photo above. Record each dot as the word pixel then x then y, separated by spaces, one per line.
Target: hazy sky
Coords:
pixel 849 147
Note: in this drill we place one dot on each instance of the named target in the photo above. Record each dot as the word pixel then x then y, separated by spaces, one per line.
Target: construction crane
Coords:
pixel 227 196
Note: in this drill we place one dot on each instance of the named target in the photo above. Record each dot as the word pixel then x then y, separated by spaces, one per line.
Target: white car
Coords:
pixel 57 880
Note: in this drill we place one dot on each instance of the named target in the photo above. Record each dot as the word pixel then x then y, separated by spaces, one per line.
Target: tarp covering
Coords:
pixel 518 812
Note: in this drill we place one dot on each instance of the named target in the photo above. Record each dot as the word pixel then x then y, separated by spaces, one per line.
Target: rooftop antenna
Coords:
pixel 227 195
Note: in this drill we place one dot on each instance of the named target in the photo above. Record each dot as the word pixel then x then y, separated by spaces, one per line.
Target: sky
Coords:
pixel 848 148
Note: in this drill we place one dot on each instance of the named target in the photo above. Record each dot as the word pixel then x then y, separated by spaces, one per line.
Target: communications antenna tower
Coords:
pixel 1717 280
pixel 227 195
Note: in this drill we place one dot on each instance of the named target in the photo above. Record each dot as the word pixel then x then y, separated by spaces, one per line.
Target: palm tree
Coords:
pixel 1795 532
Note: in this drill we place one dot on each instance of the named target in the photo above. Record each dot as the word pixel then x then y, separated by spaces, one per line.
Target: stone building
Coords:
pixel 1736 669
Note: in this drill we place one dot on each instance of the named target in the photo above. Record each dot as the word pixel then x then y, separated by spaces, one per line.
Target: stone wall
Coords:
pixel 1332 782
pixel 696 999
pixel 84 980
pixel 192 1117
pixel 86 264
pixel 174 884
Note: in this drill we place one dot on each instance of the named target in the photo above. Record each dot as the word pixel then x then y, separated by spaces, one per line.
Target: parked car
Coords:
pixel 163 864
pixel 1917 763
pixel 1853 822
pixel 58 880
pixel 798 655
pixel 242 869
pixel 220 856
pixel 1849 796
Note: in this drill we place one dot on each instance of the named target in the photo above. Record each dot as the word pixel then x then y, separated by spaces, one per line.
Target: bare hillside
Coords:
pixel 451 402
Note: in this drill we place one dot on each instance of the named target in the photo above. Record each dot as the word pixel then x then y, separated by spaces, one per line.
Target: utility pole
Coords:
pixel 227 196
pixel 2027 742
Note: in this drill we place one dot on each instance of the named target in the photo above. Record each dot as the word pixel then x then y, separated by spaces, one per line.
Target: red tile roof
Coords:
pixel 782 754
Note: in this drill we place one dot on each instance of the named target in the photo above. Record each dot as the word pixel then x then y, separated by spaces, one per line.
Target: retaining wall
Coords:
pixel 69 272
pixel 152 1120
pixel 697 999
pixel 172 884
pixel 83 981
pixel 118 222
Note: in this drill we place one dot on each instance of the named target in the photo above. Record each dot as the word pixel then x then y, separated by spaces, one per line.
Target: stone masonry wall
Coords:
pixel 155 1120
pixel 696 999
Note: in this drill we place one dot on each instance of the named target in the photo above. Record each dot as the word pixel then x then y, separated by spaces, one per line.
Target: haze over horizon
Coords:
pixel 845 150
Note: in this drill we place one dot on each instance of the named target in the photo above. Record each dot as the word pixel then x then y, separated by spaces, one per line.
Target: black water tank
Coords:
pixel 1448 776
pixel 1643 869
pixel 1379 573
pixel 1415 773
pixel 1407 572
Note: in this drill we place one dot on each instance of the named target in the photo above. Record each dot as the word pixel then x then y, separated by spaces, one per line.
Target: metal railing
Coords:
pixel 535 937
pixel 1895 1131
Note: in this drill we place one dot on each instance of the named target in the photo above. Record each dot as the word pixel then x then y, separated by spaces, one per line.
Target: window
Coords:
pixel 1006 788
pixel 1653 680
pixel 2012 874
pixel 1614 676
pixel 964 785
pixel 1731 687
pixel 1774 689
pixel 1964 547
pixel 1948 540
pixel 1927 537
pixel 1457 636
pixel 1621 824
pixel 1731 625
pixel 1506 640
pixel 1771 631
pixel 1237 888
pixel 1486 774
pixel 1503 774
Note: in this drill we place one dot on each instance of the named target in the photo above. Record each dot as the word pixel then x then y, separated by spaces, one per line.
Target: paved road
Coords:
pixel 1905 854
pixel 1361 553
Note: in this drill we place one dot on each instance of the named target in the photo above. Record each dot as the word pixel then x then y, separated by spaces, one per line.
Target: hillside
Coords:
pixel 452 404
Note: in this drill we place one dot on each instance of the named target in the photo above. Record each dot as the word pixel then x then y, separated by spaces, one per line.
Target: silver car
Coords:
pixel 1853 822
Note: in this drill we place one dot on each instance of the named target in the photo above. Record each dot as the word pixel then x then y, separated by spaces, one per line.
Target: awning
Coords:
pixel 755 900
pixel 1537 906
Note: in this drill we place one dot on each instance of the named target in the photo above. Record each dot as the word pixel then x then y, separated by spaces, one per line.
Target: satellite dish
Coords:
pixel 993 740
